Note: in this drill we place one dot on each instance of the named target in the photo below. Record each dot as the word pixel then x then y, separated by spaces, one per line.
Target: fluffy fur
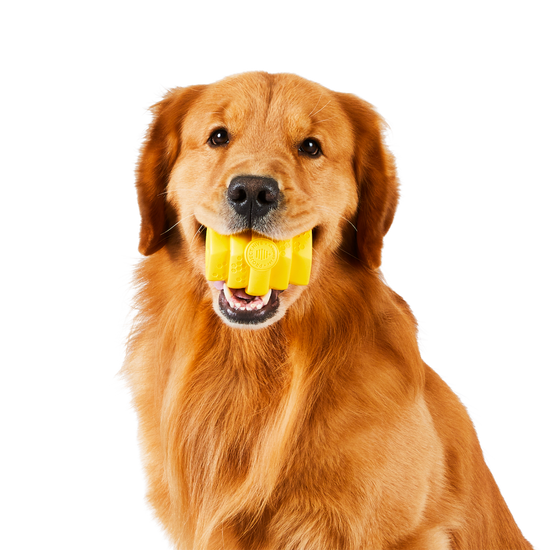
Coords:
pixel 321 428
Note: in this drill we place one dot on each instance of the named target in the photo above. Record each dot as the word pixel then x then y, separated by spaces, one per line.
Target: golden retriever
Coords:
pixel 310 422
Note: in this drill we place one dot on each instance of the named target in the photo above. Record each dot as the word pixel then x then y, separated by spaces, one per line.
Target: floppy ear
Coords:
pixel 376 178
pixel 158 155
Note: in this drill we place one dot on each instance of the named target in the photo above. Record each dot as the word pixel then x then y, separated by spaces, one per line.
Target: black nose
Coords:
pixel 253 196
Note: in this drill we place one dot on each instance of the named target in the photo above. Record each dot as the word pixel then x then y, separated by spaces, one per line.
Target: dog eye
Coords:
pixel 310 148
pixel 218 137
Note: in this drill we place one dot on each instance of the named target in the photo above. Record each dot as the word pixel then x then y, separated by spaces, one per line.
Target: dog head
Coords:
pixel 276 154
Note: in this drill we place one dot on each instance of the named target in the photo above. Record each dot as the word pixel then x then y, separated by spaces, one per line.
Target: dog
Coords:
pixel 309 421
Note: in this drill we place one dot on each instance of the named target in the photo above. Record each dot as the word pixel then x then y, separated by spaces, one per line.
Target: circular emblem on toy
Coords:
pixel 261 254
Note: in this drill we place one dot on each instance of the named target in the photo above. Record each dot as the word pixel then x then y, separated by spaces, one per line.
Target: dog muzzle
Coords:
pixel 250 261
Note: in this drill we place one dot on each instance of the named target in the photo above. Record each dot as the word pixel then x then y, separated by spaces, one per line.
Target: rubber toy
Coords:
pixel 250 261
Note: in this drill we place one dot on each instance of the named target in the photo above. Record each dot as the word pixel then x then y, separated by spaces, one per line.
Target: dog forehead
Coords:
pixel 296 106
pixel 264 92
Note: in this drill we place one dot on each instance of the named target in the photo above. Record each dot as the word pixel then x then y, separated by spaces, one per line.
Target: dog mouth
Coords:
pixel 239 307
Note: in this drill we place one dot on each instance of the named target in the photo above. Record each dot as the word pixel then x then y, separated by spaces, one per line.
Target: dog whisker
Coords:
pixel 177 223
pixel 342 217
pixel 314 252
pixel 170 228
pixel 349 254
pixel 317 112
pixel 199 231
pixel 319 99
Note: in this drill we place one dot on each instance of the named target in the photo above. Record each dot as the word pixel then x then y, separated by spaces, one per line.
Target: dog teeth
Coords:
pixel 228 293
pixel 265 297
pixel 251 306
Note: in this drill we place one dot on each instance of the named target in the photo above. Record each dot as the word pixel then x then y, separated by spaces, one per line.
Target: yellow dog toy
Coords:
pixel 255 263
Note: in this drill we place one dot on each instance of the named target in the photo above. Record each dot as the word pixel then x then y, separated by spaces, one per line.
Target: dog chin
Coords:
pixel 251 320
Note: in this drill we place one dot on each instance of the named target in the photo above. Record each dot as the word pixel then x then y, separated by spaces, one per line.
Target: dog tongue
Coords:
pixel 240 293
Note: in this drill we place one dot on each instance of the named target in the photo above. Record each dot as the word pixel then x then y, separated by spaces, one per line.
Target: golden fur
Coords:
pixel 322 428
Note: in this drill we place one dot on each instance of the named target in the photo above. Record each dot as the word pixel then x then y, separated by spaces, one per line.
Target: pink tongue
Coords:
pixel 218 285
pixel 240 293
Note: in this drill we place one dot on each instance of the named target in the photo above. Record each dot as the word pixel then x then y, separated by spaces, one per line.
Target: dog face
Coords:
pixel 275 154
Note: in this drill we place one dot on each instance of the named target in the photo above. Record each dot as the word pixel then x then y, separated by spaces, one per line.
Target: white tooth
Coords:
pixel 265 297
pixel 228 293
pixel 259 306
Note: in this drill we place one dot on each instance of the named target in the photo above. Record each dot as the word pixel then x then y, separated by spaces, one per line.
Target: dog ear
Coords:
pixel 158 155
pixel 376 178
